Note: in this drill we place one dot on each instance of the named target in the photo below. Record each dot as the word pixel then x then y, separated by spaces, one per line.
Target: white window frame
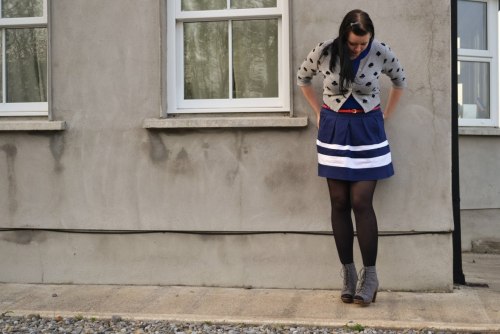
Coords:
pixel 175 60
pixel 28 108
pixel 489 56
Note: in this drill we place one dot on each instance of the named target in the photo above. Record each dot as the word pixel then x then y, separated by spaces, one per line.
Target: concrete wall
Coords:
pixel 479 188
pixel 105 172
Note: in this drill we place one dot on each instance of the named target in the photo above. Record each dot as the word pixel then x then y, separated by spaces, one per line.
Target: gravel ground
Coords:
pixel 79 325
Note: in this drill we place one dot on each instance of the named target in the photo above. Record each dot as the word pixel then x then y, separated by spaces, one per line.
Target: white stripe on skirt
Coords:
pixel 355 163
pixel 351 148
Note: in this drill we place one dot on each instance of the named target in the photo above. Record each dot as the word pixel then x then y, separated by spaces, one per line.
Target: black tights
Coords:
pixel 356 196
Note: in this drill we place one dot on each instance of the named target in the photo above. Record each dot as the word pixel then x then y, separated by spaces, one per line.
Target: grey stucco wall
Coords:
pixel 479 182
pixel 479 188
pixel 282 260
pixel 107 172
pixel 480 224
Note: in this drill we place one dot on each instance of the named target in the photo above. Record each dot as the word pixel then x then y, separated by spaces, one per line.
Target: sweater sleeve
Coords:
pixel 393 69
pixel 310 66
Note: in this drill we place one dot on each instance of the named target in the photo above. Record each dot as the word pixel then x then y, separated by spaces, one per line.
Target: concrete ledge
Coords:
pixel 226 122
pixel 478 131
pixel 33 125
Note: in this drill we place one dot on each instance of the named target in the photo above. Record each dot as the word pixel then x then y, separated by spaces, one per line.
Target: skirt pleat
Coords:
pixel 353 147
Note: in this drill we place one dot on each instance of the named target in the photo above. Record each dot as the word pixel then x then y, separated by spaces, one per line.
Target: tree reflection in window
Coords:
pixel 24 68
pixel 255 58
pixel 254 52
pixel 189 5
pixel 22 8
pixel 26 60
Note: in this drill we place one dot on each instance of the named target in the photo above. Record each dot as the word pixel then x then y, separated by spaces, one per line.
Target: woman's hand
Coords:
pixel 310 96
pixel 392 101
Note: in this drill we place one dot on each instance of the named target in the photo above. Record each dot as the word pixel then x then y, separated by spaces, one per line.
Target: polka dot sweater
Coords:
pixel 365 88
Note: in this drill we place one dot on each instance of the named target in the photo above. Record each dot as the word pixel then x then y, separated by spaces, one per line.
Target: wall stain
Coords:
pixel 158 152
pixel 23 237
pixel 239 149
pixel 205 147
pixel 289 174
pixel 297 207
pixel 182 163
pixel 10 154
pixel 57 150
pixel 231 176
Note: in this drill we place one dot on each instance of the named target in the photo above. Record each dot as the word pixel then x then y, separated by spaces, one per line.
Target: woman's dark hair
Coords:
pixel 360 24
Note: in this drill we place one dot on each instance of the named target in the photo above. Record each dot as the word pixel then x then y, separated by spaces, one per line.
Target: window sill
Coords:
pixel 226 122
pixel 32 125
pixel 478 131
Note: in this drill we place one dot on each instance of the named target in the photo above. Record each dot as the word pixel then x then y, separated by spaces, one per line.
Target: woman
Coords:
pixel 353 152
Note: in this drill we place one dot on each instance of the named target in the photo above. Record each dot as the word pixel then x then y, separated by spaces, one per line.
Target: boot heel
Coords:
pixel 368 287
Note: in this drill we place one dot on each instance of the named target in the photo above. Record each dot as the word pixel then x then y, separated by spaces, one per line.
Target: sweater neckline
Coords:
pixel 363 54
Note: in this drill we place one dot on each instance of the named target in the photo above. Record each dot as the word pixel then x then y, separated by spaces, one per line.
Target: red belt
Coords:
pixel 350 111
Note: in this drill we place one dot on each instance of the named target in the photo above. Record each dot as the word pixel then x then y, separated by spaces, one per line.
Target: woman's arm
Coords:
pixel 394 97
pixel 310 96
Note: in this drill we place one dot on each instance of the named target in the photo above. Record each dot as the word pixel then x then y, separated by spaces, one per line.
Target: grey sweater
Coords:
pixel 365 88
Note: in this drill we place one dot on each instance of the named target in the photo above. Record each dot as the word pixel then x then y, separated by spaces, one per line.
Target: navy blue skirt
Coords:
pixel 353 147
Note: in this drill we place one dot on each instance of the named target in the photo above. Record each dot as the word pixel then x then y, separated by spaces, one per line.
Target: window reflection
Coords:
pixel 188 5
pixel 22 8
pixel 26 62
pixel 240 4
pixel 473 90
pixel 255 58
pixel 472 25
pixel 206 60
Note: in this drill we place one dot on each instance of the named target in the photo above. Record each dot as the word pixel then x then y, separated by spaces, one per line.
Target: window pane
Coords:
pixel 187 5
pixel 255 58
pixel 26 59
pixel 473 90
pixel 472 25
pixel 206 60
pixel 22 8
pixel 238 4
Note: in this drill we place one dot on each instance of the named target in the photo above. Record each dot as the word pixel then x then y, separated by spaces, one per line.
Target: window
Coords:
pixel 23 47
pixel 227 56
pixel 478 62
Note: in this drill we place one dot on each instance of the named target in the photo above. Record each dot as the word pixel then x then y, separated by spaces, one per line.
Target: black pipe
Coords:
pixel 458 274
pixel 208 233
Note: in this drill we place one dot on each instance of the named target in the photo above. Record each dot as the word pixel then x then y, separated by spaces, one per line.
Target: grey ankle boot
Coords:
pixel 350 281
pixel 368 286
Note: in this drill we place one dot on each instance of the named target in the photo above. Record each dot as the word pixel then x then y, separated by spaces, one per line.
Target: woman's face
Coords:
pixel 357 44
